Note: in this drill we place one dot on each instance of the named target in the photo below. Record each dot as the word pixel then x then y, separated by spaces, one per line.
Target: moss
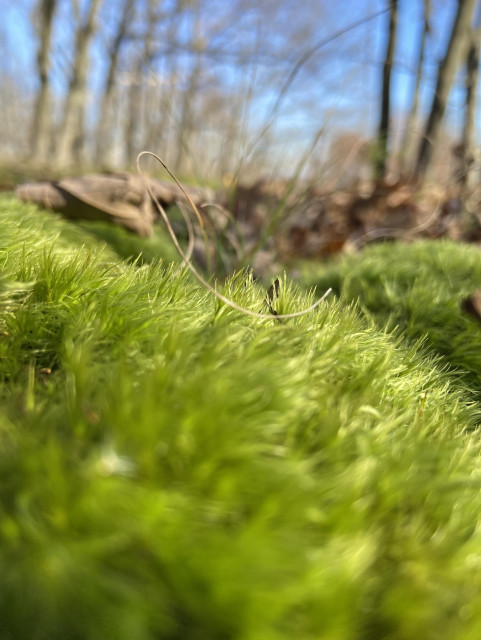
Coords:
pixel 170 468
pixel 416 289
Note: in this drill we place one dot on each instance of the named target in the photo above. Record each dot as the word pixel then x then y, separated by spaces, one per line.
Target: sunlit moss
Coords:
pixel 171 468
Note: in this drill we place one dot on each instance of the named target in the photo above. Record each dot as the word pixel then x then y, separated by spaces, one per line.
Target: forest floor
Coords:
pixel 267 225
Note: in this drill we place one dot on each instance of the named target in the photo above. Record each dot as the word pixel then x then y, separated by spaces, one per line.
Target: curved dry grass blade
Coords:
pixel 190 231
pixel 188 198
pixel 190 266
pixel 236 243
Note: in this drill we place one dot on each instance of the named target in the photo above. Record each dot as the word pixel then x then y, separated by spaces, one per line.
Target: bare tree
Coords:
pixel 383 133
pixel 458 43
pixel 40 128
pixel 160 100
pixel 138 77
pixel 71 135
pixel 406 149
pixel 471 84
pixel 104 117
pixel 185 125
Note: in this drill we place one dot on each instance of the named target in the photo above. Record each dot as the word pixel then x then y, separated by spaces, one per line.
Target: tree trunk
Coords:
pixel 142 63
pixel 71 135
pixel 407 146
pixel 457 45
pixel 103 142
pixel 40 132
pixel 160 99
pixel 185 125
pixel 472 74
pixel 383 134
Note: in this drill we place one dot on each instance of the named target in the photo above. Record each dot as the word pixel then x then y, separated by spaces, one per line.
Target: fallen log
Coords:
pixel 120 198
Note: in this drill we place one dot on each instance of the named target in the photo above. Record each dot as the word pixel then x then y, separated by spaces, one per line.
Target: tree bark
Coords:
pixel 457 45
pixel 40 128
pixel 383 134
pixel 472 75
pixel 71 135
pixel 407 146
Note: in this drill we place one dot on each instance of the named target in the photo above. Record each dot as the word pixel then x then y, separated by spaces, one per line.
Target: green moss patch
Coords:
pixel 171 468
pixel 417 289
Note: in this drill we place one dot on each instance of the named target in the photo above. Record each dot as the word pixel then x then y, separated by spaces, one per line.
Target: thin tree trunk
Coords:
pixel 104 119
pixel 457 45
pixel 383 134
pixel 71 135
pixel 406 151
pixel 185 126
pixel 135 91
pixel 162 128
pixel 40 131
pixel 472 75
pixel 134 99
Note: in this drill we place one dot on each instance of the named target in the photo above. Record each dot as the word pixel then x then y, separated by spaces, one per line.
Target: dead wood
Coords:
pixel 118 198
